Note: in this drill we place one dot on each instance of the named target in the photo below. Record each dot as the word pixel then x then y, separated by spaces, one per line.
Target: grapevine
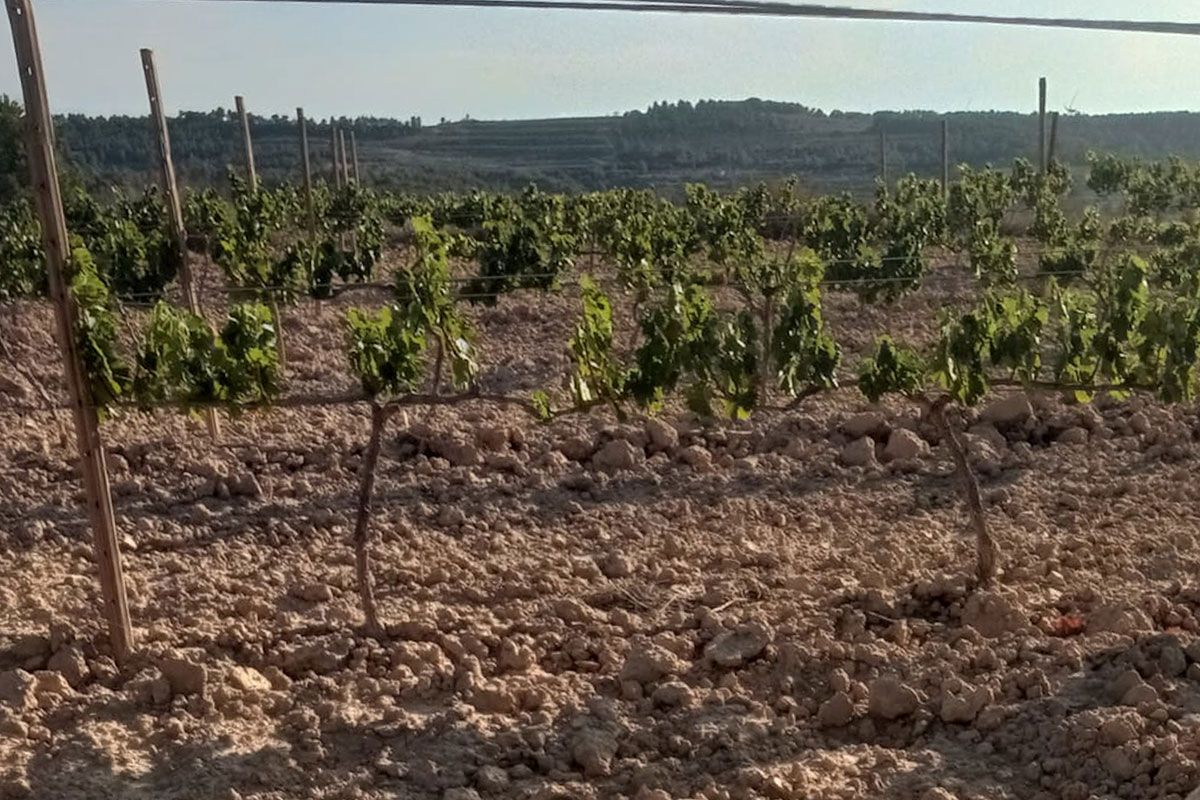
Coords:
pixel 725 317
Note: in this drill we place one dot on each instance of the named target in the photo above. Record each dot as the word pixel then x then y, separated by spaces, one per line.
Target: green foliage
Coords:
pixel 247 354
pixel 1170 347
pixel 993 257
pixel 914 209
pixel 961 355
pixel 1031 185
pixel 542 405
pixel 883 260
pixel 1176 263
pixel 1148 188
pixel 424 290
pixel 174 359
pixel 651 241
pixel 353 217
pixel 726 226
pixel 386 351
pixel 244 247
pixel 979 197
pixel 893 369
pixel 23 273
pixel 804 355
pixel 678 334
pixel 107 372
pixel 1108 173
pixel 525 248
pixel 180 359
pixel 14 171
pixel 598 376
pixel 1122 294
pixel 732 371
pixel 256 239
pixel 1121 322
pixel 1017 320
pixel 1075 331
pixel 1134 229
pixel 206 215
pixel 1003 332
pixel 129 241
pixel 838 229
pixel 770 275
pixel 1070 251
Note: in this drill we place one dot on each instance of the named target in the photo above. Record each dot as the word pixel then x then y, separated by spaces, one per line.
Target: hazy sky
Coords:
pixel 399 61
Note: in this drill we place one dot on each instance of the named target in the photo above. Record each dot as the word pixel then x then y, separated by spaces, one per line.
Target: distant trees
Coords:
pixel 13 171
pixel 665 146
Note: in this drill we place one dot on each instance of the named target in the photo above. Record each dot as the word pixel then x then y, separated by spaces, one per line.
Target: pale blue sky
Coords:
pixel 399 61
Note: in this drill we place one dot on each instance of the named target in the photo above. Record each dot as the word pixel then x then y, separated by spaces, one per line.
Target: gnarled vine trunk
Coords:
pixel 987 553
pixel 362 527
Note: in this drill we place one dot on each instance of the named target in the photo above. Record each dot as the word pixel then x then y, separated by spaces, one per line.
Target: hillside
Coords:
pixel 722 143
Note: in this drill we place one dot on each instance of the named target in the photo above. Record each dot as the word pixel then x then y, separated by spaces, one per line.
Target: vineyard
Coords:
pixel 612 360
pixel 726 292
pixel 753 493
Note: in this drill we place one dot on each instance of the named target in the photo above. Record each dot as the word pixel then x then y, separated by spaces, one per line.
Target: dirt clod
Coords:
pixel 734 648
pixel 891 699
pixel 186 675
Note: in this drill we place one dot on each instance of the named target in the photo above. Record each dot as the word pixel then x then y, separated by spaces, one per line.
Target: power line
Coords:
pixel 777 9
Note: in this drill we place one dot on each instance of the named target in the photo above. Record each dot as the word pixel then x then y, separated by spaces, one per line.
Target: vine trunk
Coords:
pixel 362 526
pixel 987 552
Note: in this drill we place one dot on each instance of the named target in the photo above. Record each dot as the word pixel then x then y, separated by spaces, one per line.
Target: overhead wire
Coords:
pixel 780 9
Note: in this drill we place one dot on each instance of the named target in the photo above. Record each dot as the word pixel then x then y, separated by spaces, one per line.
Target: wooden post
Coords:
pixel 174 204
pixel 307 162
pixel 251 172
pixel 883 164
pixel 346 180
pixel 48 198
pixel 333 150
pixel 1053 138
pixel 345 160
pixel 945 158
pixel 1042 124
pixel 354 155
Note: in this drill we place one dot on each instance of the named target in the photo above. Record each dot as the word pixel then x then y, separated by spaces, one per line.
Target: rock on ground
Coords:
pixel 1120 618
pixel 617 455
pixel 648 662
pixel 734 648
pixel 965 704
pixel 1008 411
pixel 891 699
pixel 185 675
pixel 859 453
pixel 69 661
pixel 663 436
pixel 836 712
pixel 593 750
pixel 992 614
pixel 904 445
pixel 17 690
pixel 864 424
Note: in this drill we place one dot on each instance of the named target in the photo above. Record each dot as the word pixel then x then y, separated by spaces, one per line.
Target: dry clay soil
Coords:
pixel 668 609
